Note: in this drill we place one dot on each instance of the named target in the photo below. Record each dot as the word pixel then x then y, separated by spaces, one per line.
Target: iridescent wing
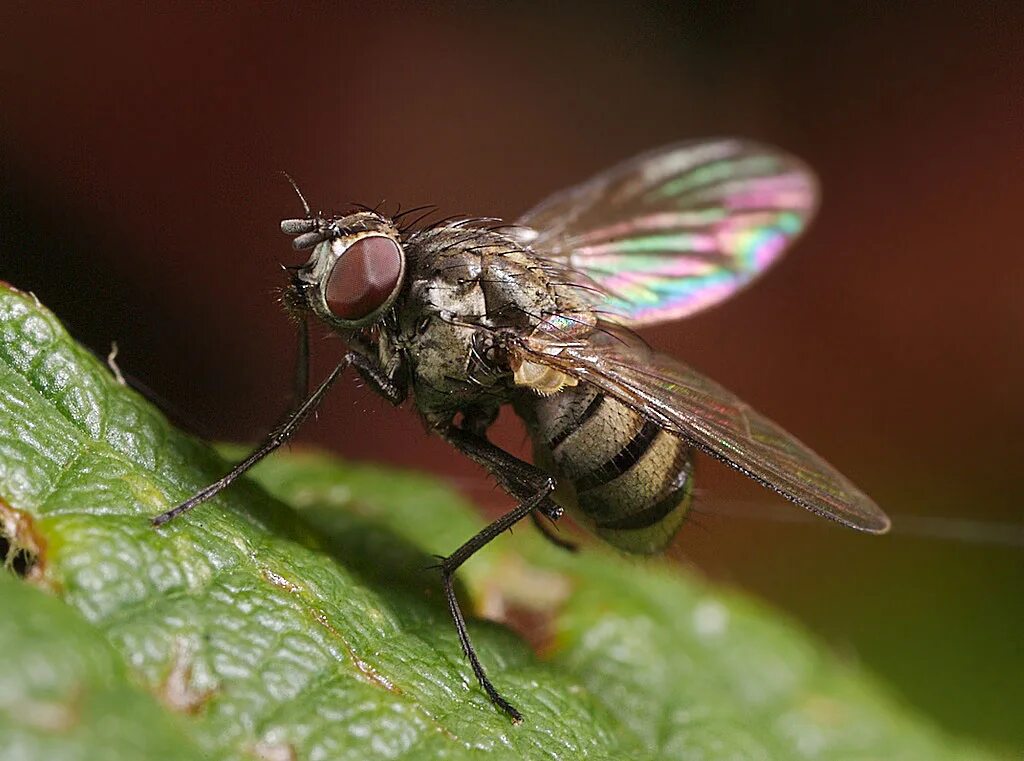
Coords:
pixel 678 229
pixel 711 418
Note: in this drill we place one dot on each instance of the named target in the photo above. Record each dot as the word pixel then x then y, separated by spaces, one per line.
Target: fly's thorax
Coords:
pixel 436 330
pixel 466 287
pixel 489 279
pixel 447 376
pixel 623 476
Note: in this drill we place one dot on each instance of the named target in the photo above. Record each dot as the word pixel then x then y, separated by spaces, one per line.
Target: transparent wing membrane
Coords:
pixel 713 419
pixel 676 230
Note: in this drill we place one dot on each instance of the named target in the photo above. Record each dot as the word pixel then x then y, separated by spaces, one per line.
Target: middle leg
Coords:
pixel 452 563
pixel 533 488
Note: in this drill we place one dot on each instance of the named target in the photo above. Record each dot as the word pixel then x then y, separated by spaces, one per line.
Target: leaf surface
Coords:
pixel 297 618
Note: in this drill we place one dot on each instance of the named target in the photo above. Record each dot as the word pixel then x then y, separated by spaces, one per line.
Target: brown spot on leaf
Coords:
pixel 47 716
pixel 368 672
pixel 525 598
pixel 373 675
pixel 271 751
pixel 280 581
pixel 22 547
pixel 177 691
pixel 364 668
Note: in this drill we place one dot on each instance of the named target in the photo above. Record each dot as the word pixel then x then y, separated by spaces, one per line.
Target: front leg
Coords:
pixel 278 436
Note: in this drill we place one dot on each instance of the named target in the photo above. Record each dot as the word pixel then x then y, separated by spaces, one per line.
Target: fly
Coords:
pixel 468 315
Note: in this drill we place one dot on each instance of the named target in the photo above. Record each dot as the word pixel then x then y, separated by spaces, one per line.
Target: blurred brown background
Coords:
pixel 140 199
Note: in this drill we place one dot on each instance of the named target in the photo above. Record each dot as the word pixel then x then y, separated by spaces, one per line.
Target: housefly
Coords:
pixel 468 315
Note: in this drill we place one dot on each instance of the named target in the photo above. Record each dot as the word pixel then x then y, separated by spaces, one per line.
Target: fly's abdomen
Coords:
pixel 629 481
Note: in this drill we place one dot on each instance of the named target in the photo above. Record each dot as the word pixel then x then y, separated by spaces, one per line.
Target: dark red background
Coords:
pixel 140 200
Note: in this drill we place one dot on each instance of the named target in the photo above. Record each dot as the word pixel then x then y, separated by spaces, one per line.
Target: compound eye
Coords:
pixel 364 278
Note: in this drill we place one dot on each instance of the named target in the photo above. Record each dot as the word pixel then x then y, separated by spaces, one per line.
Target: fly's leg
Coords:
pixel 379 380
pixel 300 380
pixel 300 384
pixel 275 439
pixel 451 563
pixel 533 488
pixel 548 532
pixel 476 424
pixel 520 479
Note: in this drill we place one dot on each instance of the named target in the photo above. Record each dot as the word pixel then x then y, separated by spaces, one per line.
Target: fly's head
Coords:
pixel 355 271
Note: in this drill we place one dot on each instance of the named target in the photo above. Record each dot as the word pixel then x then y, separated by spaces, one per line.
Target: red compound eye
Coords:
pixel 363 278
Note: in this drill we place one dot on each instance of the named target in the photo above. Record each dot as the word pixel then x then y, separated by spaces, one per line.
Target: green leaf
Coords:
pixel 301 621
pixel 65 693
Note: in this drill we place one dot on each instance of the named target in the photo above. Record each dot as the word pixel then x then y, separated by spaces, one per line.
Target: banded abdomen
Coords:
pixel 627 479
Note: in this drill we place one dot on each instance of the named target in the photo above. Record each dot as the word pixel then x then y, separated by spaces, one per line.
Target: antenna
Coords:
pixel 298 192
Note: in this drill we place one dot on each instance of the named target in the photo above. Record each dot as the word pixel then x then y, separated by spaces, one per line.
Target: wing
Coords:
pixel 678 229
pixel 711 418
